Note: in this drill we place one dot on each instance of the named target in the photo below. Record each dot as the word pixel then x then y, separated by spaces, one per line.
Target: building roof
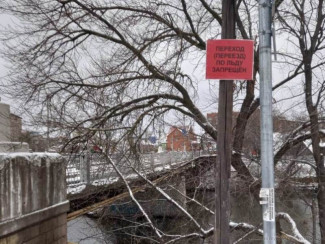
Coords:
pixel 183 129
pixel 14 115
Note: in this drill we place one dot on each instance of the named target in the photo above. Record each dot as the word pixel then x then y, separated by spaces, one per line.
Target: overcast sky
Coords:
pixel 290 104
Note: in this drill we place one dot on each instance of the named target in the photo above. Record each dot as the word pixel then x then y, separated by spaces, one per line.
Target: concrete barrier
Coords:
pixel 33 202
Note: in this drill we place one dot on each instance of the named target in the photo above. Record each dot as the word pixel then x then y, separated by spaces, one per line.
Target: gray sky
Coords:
pixel 286 99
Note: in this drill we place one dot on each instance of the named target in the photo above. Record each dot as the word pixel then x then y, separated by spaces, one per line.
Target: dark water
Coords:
pixel 247 210
pixel 120 230
pixel 87 231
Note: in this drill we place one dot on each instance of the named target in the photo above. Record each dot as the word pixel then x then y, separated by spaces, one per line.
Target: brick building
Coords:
pixel 181 139
pixel 280 123
pixel 281 126
pixel 213 118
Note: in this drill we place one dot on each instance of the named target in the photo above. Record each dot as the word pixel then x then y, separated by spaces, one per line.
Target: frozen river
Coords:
pixel 243 209
pixel 84 230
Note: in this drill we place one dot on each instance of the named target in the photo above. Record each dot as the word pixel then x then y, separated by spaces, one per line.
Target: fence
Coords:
pixel 93 168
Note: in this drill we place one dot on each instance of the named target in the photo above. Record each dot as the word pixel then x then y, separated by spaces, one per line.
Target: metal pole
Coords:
pixel 267 191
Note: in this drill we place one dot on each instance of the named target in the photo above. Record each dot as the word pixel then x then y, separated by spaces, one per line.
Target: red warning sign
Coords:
pixel 230 59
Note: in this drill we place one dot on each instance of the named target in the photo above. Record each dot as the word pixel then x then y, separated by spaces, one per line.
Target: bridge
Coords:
pixel 33 188
pixel 94 169
pixel 34 204
pixel 93 183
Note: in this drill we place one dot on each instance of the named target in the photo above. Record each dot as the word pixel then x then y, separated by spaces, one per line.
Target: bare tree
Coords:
pixel 120 66
pixel 124 60
pixel 305 22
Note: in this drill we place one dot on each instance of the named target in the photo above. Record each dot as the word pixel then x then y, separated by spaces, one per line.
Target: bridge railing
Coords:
pixel 93 168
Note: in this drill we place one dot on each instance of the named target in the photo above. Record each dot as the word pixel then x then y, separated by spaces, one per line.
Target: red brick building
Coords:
pixel 213 118
pixel 281 125
pixel 181 139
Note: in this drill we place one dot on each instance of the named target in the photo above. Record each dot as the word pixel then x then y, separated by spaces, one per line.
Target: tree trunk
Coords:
pixel 314 129
pixel 278 231
pixel 321 203
pixel 239 135
pixel 314 216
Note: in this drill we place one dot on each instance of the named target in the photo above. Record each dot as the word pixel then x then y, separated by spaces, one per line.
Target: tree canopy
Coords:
pixel 118 66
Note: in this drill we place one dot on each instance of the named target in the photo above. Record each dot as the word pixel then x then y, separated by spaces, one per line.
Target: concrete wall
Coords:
pixel 53 230
pixel 33 201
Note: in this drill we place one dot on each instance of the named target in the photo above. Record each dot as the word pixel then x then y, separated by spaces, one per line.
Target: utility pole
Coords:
pixel 267 191
pixel 222 208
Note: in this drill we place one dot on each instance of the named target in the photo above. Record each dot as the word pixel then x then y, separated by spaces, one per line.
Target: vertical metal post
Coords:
pixel 267 191
pixel 222 208
pixel 85 168
pixel 88 167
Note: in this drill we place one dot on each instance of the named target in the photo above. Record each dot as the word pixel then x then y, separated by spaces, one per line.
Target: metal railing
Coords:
pixel 93 168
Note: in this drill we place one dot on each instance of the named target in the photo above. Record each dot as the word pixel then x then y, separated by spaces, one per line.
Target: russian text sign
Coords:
pixel 230 59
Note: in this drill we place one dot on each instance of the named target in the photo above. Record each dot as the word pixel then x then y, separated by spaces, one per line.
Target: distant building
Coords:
pixel 10 131
pixel 207 144
pixel 182 139
pixel 37 143
pixel 252 144
pixel 149 145
pixel 280 123
pixel 10 125
pixel 4 123
pixel 162 144
pixel 15 127
pixel 213 118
